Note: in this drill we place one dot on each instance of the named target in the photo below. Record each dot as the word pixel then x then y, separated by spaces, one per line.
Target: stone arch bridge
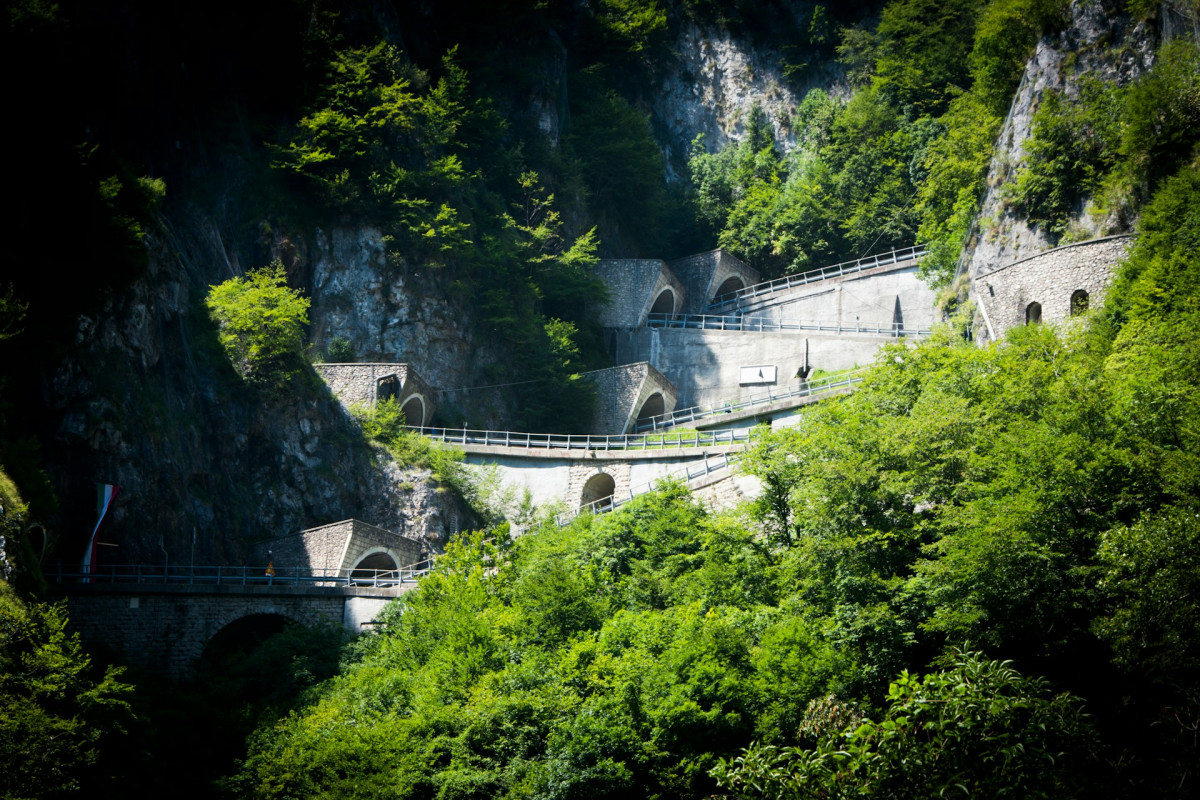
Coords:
pixel 164 627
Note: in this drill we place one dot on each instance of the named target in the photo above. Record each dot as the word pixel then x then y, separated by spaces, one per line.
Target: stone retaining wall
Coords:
pixel 1050 279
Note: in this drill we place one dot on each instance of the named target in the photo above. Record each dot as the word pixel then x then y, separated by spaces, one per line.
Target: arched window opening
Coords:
pixel 414 411
pixel 664 303
pixel 653 406
pixel 730 286
pixel 1079 302
pixel 1033 314
pixel 376 566
pixel 386 388
pixel 598 488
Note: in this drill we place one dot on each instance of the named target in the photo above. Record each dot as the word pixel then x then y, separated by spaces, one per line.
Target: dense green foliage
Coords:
pixel 1007 500
pixel 902 160
pixel 979 728
pixel 59 715
pixel 261 324
pixel 1118 143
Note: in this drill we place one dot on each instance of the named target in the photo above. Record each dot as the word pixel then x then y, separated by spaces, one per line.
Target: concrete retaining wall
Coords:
pixel 705 366
pixel 877 298
pixel 1050 279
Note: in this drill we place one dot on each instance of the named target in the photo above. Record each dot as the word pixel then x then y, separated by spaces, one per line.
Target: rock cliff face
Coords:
pixel 711 86
pixel 147 400
pixel 391 315
pixel 1098 44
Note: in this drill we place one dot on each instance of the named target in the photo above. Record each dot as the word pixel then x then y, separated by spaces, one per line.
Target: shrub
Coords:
pixel 261 322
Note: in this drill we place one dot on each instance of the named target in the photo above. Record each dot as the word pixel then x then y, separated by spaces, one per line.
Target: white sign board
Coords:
pixel 749 376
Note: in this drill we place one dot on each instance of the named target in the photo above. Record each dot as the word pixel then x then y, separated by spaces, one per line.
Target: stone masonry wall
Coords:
pixel 337 546
pixel 580 473
pixel 1050 278
pixel 355 384
pixel 629 282
pixel 702 274
pixel 622 390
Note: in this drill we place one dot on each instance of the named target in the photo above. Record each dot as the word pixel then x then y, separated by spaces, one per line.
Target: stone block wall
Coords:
pixel 704 273
pixel 633 285
pixel 581 472
pixel 1050 279
pixel 621 392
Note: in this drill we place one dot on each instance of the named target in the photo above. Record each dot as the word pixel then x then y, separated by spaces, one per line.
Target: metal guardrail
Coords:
pixel 698 412
pixel 572 442
pixel 158 574
pixel 728 322
pixel 733 300
pixel 612 502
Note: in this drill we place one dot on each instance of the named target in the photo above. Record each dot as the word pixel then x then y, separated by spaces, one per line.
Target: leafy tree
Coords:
pixel 260 323
pixel 924 49
pixel 979 728
pixel 58 715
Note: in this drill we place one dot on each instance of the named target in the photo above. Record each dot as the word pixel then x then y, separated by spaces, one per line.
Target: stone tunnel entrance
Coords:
pixel 387 388
pixel 664 303
pixel 600 486
pixel 240 638
pixel 730 286
pixel 414 411
pixel 370 567
pixel 653 406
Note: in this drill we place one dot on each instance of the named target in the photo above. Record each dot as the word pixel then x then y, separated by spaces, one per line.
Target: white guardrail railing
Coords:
pixel 190 575
pixel 554 441
pixel 729 322
pixel 733 300
pixel 695 413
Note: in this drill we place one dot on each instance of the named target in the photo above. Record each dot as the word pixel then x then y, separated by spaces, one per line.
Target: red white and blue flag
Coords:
pixel 105 494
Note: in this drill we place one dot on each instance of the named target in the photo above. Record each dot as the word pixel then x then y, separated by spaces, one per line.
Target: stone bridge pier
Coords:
pixel 165 628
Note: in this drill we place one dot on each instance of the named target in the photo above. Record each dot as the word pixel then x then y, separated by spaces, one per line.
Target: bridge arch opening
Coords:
pixel 1079 302
pixel 414 411
pixel 239 638
pixel 730 286
pixel 664 303
pixel 654 405
pixel 387 388
pixel 369 567
pixel 600 486
pixel 1033 314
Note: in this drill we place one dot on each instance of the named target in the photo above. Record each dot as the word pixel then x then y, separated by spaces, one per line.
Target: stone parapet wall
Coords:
pixel 1050 279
